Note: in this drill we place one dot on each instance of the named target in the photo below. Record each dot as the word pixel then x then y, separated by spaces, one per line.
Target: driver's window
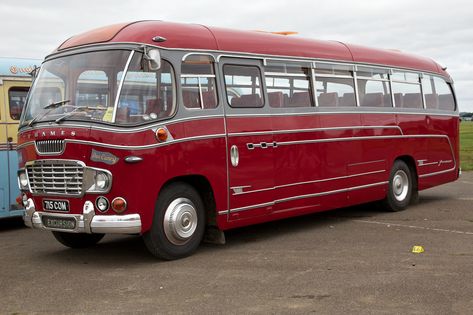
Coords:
pixel 146 95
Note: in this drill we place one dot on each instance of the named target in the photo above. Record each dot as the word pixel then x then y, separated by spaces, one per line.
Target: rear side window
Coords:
pixel 288 85
pixel 438 93
pixel 243 86
pixel 373 87
pixel 17 99
pixel 445 95
pixel 335 85
pixel 406 90
pixel 198 82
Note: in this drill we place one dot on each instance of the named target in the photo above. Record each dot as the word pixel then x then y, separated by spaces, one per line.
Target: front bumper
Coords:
pixel 87 222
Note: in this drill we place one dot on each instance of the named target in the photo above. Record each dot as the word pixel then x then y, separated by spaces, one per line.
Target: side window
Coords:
pixel 406 90
pixel 431 98
pixel 373 87
pixel 335 85
pixel 243 86
pixel 288 85
pixel 198 82
pixel 446 100
pixel 17 99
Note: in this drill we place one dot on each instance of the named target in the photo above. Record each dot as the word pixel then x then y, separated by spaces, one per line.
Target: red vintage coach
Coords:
pixel 165 129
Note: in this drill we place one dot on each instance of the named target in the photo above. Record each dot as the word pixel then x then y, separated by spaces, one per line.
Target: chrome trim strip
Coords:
pixel 308 182
pixel 119 90
pixel 138 147
pixel 266 204
pixel 438 163
pixel 25 144
pixel 269 132
pixel 187 75
pixel 324 193
pixel 236 187
pixel 437 173
pixel 118 129
pixel 284 74
pixel 198 53
pixel 148 146
pixel 330 192
pixel 355 111
pixel 282 143
pixel 368 162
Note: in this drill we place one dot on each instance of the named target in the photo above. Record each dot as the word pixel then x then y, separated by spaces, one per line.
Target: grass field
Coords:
pixel 466 145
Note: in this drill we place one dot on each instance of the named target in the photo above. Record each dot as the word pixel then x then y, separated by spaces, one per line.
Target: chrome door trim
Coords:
pixel 309 182
pixel 324 193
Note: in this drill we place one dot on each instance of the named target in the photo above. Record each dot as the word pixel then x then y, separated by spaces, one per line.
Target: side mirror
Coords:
pixel 34 72
pixel 153 58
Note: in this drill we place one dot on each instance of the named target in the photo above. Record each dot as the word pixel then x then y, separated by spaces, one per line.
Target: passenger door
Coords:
pixel 250 139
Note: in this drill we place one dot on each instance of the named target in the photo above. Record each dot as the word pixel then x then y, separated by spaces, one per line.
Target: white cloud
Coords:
pixel 437 29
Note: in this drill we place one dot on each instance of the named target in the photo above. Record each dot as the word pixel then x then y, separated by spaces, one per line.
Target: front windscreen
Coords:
pixel 84 87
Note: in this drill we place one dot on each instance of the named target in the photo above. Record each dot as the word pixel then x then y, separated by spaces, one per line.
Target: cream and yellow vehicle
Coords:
pixel 15 81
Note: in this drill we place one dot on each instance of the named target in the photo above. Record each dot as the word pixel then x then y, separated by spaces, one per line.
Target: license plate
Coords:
pixel 59 223
pixel 56 205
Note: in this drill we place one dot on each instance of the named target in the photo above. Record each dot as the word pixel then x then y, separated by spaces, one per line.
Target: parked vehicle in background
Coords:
pixel 15 81
pixel 162 129
pixel 466 116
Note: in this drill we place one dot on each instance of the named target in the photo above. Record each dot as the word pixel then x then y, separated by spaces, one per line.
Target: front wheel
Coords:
pixel 77 240
pixel 178 224
pixel 401 186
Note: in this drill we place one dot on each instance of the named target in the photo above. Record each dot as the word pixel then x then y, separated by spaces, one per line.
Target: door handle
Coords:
pixel 262 145
pixel 234 155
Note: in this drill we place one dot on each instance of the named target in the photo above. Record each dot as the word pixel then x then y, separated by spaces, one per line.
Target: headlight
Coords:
pixel 22 180
pixel 97 180
pixel 102 204
pixel 101 181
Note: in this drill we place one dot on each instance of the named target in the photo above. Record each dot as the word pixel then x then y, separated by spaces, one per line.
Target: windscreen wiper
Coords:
pixel 51 106
pixel 56 104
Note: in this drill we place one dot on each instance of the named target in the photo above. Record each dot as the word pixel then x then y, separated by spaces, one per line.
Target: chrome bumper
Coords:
pixel 87 222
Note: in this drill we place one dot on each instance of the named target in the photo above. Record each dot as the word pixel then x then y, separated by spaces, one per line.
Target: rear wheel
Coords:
pixel 77 240
pixel 401 186
pixel 178 223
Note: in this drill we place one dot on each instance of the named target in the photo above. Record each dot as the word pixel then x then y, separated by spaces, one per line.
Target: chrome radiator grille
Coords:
pixel 55 177
pixel 50 146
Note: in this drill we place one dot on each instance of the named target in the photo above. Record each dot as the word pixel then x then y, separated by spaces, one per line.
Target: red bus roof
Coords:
pixel 195 36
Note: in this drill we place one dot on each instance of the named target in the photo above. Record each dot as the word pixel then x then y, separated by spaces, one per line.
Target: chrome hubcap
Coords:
pixel 180 221
pixel 400 185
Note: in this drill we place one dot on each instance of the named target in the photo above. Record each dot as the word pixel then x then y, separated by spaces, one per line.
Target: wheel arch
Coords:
pixel 411 163
pixel 204 189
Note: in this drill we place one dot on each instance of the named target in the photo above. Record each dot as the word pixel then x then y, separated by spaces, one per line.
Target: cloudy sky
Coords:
pixel 441 30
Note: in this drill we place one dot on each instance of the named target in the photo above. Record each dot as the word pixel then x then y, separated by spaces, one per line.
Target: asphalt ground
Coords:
pixel 354 260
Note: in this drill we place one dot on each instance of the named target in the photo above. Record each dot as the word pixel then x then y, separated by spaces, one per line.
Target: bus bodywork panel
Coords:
pixel 196 149
pixel 319 162
pixel 326 161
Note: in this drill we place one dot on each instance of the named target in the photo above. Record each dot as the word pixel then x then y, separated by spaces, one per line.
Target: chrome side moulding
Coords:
pixel 87 222
pixel 323 193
